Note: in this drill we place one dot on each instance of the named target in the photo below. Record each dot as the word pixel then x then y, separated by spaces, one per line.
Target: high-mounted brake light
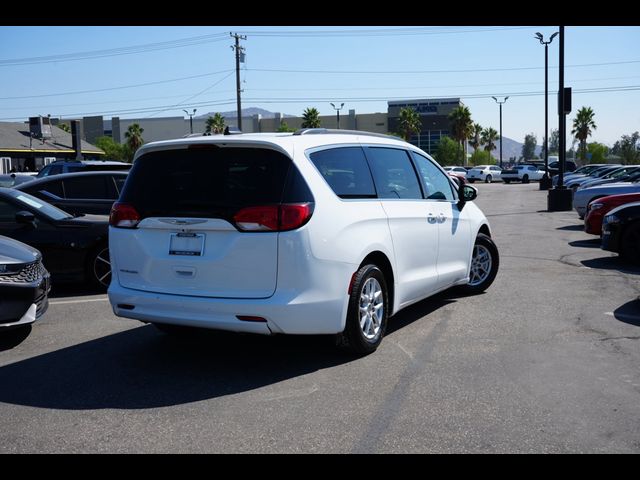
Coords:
pixel 123 215
pixel 273 218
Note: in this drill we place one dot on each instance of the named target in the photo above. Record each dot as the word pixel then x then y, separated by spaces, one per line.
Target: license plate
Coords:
pixel 190 244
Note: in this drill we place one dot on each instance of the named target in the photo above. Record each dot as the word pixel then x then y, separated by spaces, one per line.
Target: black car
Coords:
pixel 24 285
pixel 77 193
pixel 621 232
pixel 554 167
pixel 73 248
pixel 70 166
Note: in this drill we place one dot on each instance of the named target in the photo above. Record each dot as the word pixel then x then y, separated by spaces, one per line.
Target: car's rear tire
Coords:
pixel 507 180
pixel 368 312
pixel 525 179
pixel 488 179
pixel 485 262
pixel 630 244
pixel 98 268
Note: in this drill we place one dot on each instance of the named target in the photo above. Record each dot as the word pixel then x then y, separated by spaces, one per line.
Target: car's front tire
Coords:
pixel 368 312
pixel 485 262
pixel 488 179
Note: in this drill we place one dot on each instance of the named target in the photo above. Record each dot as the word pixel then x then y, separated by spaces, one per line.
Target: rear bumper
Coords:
pixel 302 313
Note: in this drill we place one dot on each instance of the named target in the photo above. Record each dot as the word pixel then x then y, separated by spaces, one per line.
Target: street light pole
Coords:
pixel 191 118
pixel 338 112
pixel 545 183
pixel 500 103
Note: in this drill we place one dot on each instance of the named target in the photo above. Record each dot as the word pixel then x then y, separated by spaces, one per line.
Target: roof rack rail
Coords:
pixel 318 131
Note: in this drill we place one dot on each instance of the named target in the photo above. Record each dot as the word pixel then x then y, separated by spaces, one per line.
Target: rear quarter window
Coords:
pixel 346 171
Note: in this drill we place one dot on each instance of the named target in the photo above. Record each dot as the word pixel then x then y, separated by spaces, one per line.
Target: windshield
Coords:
pixel 42 207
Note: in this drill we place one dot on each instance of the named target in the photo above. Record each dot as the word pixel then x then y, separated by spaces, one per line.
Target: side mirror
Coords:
pixel 26 218
pixel 466 193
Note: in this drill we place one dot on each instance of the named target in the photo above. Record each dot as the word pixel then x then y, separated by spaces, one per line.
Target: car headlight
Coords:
pixel 609 219
pixel 595 206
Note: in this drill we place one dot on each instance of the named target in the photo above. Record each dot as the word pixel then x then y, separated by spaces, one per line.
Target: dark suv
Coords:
pixel 68 166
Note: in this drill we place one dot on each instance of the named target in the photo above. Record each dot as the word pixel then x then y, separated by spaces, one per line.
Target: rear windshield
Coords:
pixel 209 182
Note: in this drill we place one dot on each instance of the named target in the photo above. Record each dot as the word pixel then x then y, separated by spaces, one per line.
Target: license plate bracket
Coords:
pixel 188 244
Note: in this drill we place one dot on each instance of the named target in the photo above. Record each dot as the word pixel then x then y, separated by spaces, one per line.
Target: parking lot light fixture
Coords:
pixel 546 184
pixel 338 112
pixel 191 118
pixel 500 103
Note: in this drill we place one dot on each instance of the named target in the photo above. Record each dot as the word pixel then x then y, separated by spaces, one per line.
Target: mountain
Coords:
pixel 246 112
pixel 510 148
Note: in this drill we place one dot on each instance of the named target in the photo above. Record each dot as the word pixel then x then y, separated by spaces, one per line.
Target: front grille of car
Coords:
pixel 30 272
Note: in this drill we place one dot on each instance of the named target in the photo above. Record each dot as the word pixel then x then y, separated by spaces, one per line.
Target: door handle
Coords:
pixel 431 218
pixel 442 218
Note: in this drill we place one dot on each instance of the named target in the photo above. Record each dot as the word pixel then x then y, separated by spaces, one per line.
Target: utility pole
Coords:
pixel 239 58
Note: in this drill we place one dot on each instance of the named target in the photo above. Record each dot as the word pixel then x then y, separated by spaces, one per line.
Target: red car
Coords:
pixel 598 208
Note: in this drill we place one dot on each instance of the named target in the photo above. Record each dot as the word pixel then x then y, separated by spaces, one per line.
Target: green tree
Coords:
pixel 482 157
pixel 461 127
pixel 311 118
pixel 215 124
pixel 64 126
pixel 475 140
pixel 134 139
pixel 583 125
pixel 112 150
pixel 628 148
pixel 489 137
pixel 554 142
pixel 409 123
pixel 529 146
pixel 284 127
pixel 447 152
pixel 598 152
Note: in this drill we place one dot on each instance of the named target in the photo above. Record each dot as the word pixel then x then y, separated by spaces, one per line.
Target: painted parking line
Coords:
pixel 86 300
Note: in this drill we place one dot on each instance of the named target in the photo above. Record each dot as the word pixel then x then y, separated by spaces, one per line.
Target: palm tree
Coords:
pixel 476 137
pixel 489 136
pixel 409 123
pixel 582 126
pixel 134 138
pixel 461 127
pixel 215 124
pixel 311 118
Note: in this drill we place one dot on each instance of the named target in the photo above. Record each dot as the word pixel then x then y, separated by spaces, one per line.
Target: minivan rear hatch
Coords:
pixel 203 226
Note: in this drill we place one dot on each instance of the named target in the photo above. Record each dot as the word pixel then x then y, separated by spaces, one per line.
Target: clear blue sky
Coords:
pixel 360 66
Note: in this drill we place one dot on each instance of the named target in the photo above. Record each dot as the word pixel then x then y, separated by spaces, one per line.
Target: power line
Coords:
pixel 118 88
pixel 228 101
pixel 376 32
pixel 184 42
pixel 404 72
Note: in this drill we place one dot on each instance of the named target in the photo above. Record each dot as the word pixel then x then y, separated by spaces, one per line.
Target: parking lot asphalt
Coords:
pixel 546 361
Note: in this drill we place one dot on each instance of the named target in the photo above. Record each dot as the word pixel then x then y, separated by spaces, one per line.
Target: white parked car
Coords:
pixel 315 232
pixel 456 170
pixel 522 173
pixel 485 173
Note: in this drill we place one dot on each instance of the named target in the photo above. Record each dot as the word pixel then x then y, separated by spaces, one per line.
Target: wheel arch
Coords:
pixel 384 264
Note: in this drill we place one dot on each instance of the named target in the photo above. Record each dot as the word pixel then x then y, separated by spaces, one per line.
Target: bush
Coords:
pixel 448 152
pixel 482 157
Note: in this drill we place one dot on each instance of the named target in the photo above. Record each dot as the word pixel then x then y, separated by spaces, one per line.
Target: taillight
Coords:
pixel 273 218
pixel 123 215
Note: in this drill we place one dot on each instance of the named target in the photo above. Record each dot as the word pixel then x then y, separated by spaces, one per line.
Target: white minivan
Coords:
pixel 315 232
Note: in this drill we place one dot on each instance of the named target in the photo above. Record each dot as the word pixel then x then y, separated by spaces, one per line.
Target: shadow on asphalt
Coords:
pixel 590 243
pixel 14 337
pixel 576 228
pixel 611 263
pixel 629 313
pixel 64 290
pixel 144 368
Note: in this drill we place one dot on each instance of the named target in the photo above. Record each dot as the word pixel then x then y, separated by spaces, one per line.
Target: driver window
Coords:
pixel 436 184
pixel 7 212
